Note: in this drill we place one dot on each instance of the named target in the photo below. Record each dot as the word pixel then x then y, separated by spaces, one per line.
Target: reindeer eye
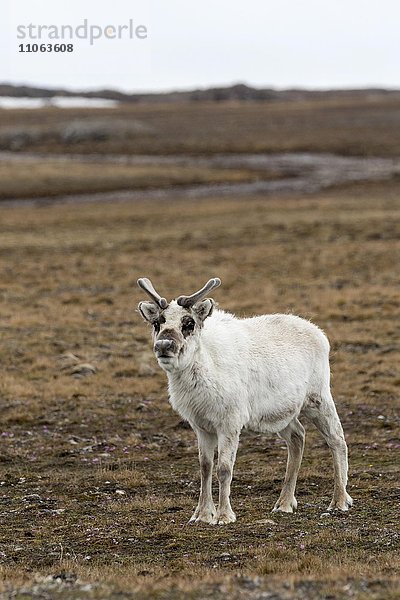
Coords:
pixel 188 326
pixel 157 324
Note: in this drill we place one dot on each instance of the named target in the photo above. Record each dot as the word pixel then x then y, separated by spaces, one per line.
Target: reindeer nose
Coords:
pixel 164 346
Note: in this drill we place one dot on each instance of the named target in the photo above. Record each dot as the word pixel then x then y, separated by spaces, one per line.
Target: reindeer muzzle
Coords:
pixel 165 348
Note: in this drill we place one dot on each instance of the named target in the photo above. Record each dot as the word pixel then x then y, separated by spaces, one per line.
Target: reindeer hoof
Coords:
pixel 203 517
pixel 342 503
pixel 226 517
pixel 285 506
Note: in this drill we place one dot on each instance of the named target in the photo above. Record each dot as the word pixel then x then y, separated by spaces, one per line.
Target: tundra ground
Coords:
pixel 355 126
pixel 98 476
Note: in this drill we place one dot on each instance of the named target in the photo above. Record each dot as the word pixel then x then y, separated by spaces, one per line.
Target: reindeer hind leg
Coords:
pixel 324 416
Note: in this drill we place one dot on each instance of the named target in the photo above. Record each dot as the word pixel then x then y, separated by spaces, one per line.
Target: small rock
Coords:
pixel 66 577
pixel 225 556
pixel 265 522
pixel 326 514
pixel 83 370
pixel 68 359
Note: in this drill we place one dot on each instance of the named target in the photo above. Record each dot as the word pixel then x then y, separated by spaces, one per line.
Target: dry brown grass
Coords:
pixel 46 178
pixel 98 476
pixel 350 126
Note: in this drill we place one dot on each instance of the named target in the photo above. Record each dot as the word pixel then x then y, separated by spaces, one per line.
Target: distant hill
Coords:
pixel 216 94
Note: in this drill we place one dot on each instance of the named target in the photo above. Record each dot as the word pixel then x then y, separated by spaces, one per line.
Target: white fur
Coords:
pixel 253 373
pixel 259 373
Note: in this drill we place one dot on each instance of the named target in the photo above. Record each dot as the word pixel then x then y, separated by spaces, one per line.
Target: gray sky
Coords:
pixel 280 43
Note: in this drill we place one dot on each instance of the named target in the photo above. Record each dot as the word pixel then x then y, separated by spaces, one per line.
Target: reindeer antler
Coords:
pixel 189 301
pixel 147 286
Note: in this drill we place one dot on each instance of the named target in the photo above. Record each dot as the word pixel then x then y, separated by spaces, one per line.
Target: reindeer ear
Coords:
pixel 203 309
pixel 149 311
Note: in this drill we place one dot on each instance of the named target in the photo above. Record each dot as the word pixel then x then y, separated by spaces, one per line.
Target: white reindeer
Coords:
pixel 260 373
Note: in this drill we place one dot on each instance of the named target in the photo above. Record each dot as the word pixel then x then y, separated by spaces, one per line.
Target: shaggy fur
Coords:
pixel 260 373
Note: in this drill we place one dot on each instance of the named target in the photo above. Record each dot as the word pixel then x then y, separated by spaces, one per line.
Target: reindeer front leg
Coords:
pixel 205 510
pixel 227 448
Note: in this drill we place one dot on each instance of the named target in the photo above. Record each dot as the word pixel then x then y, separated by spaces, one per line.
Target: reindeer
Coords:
pixel 260 373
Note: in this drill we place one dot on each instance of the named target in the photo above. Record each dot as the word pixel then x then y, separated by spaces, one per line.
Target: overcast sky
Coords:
pixel 280 43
